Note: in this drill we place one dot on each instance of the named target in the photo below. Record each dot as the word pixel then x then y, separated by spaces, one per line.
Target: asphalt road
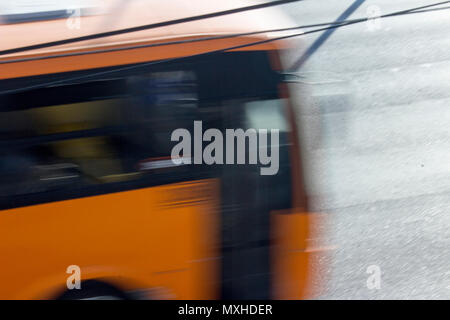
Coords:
pixel 381 169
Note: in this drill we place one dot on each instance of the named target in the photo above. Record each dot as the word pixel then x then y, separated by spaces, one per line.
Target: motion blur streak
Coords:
pixel 358 208
pixel 87 183
pixel 381 171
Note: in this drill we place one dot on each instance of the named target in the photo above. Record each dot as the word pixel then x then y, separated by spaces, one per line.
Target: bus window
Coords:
pixel 86 134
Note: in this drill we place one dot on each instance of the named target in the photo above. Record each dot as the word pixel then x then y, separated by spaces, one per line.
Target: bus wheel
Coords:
pixel 94 290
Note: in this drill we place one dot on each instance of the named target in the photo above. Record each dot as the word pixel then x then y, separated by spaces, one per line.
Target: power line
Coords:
pixel 158 44
pixel 140 65
pixel 296 65
pixel 234 35
pixel 146 27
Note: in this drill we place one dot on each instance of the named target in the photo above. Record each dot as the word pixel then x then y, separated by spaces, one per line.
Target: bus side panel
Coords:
pixel 296 256
pixel 32 67
pixel 161 237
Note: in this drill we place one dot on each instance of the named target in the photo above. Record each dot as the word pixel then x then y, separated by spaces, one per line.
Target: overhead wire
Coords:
pixel 146 27
pixel 333 25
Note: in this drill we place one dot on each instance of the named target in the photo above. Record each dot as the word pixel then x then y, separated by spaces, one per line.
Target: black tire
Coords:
pixel 94 290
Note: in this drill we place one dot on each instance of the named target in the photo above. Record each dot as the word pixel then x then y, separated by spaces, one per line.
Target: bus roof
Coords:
pixel 121 14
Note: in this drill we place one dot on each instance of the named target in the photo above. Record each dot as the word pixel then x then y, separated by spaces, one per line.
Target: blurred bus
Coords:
pixel 86 178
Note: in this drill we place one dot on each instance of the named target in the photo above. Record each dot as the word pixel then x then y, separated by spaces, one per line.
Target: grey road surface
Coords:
pixel 381 168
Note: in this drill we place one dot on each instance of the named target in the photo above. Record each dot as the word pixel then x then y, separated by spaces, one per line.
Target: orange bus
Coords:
pixel 86 178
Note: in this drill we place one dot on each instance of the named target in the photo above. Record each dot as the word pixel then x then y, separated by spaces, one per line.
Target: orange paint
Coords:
pixel 138 235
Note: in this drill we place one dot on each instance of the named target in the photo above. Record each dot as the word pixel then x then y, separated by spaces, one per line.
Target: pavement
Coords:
pixel 381 167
